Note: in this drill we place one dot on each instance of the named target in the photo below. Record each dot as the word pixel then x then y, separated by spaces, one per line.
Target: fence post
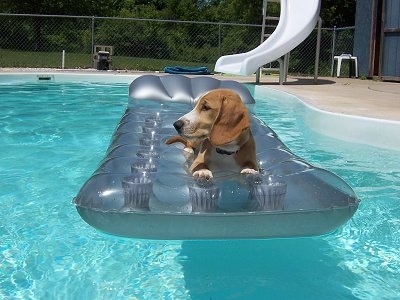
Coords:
pixel 219 39
pixel 63 59
pixel 317 50
pixel 92 46
pixel 333 49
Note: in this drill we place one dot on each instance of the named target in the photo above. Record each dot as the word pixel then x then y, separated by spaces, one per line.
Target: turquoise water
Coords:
pixel 52 136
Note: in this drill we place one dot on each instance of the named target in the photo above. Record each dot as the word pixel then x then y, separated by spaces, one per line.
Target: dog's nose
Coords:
pixel 178 125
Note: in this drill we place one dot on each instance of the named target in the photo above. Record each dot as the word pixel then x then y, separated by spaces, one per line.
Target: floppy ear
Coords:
pixel 232 120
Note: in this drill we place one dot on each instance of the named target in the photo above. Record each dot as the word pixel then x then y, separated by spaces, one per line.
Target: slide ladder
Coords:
pixel 269 21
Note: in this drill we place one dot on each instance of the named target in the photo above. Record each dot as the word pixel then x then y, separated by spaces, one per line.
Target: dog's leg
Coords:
pixel 200 167
pixel 246 157
pixel 188 146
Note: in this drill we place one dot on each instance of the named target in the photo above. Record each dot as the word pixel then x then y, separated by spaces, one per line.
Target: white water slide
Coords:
pixel 297 20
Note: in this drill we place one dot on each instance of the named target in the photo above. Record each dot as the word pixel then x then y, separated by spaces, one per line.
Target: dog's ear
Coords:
pixel 232 120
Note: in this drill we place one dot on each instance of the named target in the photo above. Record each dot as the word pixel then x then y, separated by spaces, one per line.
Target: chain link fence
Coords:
pixel 148 44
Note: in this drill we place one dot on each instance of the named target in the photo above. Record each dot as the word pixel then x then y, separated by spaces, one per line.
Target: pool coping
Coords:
pixel 35 77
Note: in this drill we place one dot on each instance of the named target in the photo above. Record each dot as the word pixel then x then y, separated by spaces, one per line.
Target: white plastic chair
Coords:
pixel 339 63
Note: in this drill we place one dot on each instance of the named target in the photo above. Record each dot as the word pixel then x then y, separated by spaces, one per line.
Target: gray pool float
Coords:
pixel 142 189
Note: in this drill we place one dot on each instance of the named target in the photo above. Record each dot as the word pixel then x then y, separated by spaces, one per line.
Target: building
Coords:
pixel 377 39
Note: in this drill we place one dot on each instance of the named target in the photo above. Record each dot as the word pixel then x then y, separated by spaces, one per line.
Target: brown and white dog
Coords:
pixel 218 130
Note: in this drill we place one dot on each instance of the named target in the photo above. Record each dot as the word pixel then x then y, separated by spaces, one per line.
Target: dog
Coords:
pixel 218 131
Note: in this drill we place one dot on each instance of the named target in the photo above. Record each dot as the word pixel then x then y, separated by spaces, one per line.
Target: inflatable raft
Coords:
pixel 142 189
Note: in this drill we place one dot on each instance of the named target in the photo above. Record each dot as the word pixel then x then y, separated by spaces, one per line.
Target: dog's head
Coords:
pixel 219 115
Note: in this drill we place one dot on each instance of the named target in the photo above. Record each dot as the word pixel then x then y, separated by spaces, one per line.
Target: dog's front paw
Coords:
pixel 203 173
pixel 188 150
pixel 248 171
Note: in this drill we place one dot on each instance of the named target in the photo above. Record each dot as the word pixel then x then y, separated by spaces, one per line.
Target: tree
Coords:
pixel 41 25
pixel 63 7
pixel 333 12
pixel 239 11
pixel 338 13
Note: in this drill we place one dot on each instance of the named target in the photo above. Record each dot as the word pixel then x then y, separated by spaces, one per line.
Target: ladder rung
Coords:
pixel 264 68
pixel 272 18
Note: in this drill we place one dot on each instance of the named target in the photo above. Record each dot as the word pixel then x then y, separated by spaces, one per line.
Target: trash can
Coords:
pixel 103 60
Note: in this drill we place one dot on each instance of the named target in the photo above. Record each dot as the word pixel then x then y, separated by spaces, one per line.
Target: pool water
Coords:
pixel 52 136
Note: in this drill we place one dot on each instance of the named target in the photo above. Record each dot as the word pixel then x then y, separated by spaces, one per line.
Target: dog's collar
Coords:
pixel 222 151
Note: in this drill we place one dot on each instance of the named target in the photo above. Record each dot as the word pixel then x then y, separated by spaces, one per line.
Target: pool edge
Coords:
pixel 350 128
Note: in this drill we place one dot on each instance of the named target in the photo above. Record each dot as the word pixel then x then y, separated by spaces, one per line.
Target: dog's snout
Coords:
pixel 178 125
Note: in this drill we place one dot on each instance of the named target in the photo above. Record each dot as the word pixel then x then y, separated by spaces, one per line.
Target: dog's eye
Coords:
pixel 205 107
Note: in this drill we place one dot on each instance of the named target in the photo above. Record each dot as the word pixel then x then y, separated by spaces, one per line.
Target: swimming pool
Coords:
pixel 53 135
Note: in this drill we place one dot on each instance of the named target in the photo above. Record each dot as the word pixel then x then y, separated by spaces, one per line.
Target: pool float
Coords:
pixel 142 189
pixel 187 70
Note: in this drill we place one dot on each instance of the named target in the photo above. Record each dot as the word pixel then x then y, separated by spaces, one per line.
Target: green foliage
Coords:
pixel 333 12
pixel 232 44
pixel 239 11
pixel 338 13
pixel 63 7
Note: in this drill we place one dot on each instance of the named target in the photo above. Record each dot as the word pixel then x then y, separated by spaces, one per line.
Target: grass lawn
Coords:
pixel 23 59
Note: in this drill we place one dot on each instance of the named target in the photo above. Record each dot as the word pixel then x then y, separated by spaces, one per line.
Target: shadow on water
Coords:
pixel 302 268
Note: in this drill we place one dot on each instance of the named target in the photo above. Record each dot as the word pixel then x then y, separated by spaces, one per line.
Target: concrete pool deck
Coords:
pixel 349 96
